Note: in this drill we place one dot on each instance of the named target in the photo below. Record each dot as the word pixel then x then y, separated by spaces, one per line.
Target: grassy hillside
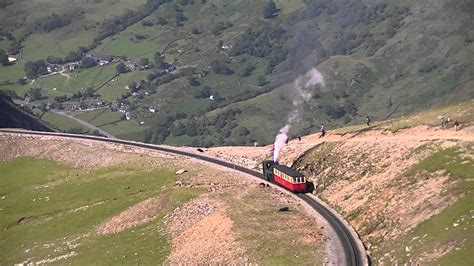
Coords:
pixel 83 202
pixel 379 58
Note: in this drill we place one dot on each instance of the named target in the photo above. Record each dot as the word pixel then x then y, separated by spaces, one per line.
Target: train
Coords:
pixel 286 177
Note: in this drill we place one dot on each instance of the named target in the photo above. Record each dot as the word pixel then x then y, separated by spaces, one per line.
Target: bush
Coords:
pixel 35 69
pixel 269 10
pixel 88 62
pixel 220 26
pixel 247 70
pixel 120 68
pixel 221 68
pixel 53 22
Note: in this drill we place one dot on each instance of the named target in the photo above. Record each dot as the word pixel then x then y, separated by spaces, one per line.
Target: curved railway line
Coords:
pixel 354 253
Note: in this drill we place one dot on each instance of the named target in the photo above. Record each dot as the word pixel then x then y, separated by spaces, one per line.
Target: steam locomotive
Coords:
pixel 286 177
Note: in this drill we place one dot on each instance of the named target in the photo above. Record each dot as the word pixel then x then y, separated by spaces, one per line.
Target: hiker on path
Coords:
pixel 442 121
pixel 456 125
pixel 323 131
pixel 367 120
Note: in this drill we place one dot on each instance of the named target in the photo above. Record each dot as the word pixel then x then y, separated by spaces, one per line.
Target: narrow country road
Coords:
pixel 84 123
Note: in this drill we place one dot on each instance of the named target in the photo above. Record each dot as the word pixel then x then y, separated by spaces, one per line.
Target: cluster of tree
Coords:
pixel 205 92
pixel 160 61
pixel 259 43
pixel 35 69
pixel 4 58
pixel 194 82
pixel 221 68
pixel 277 55
pixel 52 22
pixel 72 56
pixel 350 27
pixel 270 10
pixel 15 44
pixel 89 92
pixel 162 125
pixel 180 18
pixel 220 26
pixel 221 119
pixel 87 62
pixel 428 67
pixel 118 24
pixel 34 94
pixel 121 68
pixel 247 70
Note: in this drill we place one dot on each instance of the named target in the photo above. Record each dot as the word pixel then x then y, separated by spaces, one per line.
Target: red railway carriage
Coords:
pixel 285 176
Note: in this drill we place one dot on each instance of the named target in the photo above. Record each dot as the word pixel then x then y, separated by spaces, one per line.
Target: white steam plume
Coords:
pixel 311 78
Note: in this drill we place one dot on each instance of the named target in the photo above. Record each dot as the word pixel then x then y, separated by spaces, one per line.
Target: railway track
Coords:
pixel 354 253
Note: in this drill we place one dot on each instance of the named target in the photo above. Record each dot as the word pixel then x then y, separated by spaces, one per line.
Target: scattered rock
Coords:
pixel 284 209
pixel 181 171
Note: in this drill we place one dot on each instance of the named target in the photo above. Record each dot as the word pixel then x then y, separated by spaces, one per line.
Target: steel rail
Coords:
pixel 353 255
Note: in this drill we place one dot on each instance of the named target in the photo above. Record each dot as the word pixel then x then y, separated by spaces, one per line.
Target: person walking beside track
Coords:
pixel 367 120
pixel 323 131
pixel 456 125
pixel 442 120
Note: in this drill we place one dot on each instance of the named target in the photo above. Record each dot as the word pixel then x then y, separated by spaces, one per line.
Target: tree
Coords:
pixel 4 58
pixel 247 70
pixel 162 21
pixel 194 82
pixel 88 62
pixel 195 31
pixel 89 92
pixel 261 80
pixel 133 87
pixel 270 10
pixel 221 68
pixel 144 62
pixel 34 69
pixel 73 56
pixel 120 68
pixel 35 94
pixel 160 60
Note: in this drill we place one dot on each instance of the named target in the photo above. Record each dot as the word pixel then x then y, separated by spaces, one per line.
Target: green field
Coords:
pixel 63 123
pixel 101 117
pixel 51 210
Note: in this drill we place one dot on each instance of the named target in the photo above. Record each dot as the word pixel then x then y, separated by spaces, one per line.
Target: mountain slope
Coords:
pixel 405 184
pixel 379 58
pixel 14 117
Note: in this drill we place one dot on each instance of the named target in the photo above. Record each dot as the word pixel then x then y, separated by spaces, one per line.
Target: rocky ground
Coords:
pixel 206 229
pixel 360 174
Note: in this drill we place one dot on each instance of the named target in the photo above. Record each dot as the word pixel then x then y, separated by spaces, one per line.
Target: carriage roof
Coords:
pixel 287 170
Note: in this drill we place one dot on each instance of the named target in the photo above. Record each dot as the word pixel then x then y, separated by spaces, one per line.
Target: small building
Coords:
pixel 104 60
pixel 152 109
pixel 11 59
pixel 73 66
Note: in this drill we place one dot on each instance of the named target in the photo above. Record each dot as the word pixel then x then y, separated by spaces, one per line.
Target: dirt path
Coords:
pixel 296 148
